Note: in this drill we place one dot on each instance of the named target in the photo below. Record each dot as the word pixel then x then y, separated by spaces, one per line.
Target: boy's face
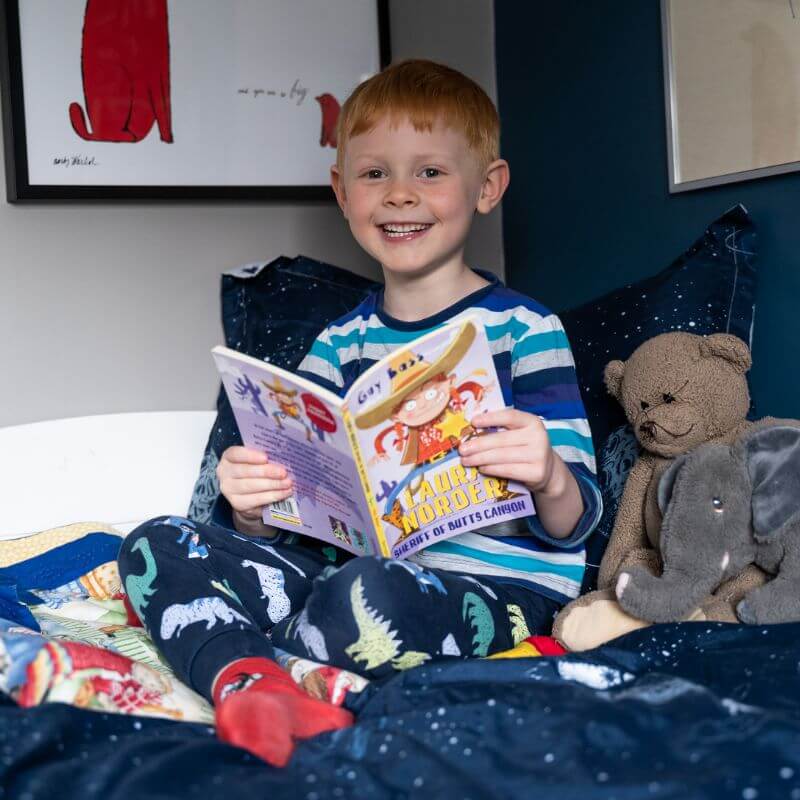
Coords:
pixel 399 177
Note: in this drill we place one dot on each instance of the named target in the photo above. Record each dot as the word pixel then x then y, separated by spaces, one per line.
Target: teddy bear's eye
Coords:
pixel 644 405
pixel 668 398
pixel 718 505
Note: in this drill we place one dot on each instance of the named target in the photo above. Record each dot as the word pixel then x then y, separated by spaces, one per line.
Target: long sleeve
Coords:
pixel 544 382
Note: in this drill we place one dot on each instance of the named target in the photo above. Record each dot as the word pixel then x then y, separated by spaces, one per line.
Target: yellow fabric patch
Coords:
pixel 12 551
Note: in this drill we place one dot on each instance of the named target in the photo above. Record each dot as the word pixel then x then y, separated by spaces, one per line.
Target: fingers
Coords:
pixel 489 441
pixel 244 455
pixel 237 471
pixel 504 418
pixel 252 504
pixel 248 481
pixel 514 472
pixel 497 455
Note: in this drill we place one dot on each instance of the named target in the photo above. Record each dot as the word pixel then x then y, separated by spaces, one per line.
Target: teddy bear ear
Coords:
pixel 729 347
pixel 613 374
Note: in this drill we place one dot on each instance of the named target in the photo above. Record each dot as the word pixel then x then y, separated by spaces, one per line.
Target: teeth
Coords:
pixel 404 228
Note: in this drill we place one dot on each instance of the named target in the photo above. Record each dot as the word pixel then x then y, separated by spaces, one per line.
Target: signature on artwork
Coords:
pixel 75 161
pixel 297 92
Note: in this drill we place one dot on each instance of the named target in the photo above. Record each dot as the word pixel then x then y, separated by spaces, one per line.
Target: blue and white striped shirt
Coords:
pixel 537 374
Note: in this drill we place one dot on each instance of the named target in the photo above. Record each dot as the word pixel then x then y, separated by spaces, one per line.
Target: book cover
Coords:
pixel 378 472
pixel 411 412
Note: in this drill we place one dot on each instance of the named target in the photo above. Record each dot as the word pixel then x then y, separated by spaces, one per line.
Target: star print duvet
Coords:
pixel 677 711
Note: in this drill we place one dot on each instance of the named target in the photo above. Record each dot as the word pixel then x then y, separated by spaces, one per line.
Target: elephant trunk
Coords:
pixel 668 598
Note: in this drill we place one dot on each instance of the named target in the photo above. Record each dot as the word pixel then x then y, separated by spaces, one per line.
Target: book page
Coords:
pixel 411 411
pixel 300 426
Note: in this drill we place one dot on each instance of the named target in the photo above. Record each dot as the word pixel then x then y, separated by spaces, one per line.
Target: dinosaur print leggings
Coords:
pixel 208 595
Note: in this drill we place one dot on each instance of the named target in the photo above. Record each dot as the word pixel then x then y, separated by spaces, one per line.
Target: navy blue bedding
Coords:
pixel 672 711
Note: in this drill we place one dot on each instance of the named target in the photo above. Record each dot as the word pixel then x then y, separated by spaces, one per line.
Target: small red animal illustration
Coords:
pixel 329 106
pixel 125 66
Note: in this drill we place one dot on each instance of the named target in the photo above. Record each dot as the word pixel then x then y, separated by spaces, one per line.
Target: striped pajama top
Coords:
pixel 537 374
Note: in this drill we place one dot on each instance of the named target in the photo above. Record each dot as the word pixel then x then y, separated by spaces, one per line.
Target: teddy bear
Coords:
pixel 678 390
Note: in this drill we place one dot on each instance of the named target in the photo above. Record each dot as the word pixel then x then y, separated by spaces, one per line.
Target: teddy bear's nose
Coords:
pixel 648 428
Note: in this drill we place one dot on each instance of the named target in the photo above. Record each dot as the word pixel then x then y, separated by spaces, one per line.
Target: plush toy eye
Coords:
pixel 718 506
pixel 668 398
pixel 644 405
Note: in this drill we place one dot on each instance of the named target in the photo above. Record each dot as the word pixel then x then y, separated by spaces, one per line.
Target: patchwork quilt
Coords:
pixel 87 709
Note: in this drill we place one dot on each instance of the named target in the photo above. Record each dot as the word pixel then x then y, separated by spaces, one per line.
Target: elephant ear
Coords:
pixel 667 482
pixel 772 455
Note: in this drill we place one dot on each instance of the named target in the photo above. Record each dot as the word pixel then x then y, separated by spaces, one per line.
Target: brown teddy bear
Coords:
pixel 678 391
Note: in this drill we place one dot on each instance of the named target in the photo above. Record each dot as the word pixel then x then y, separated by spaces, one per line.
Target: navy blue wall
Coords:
pixel 581 99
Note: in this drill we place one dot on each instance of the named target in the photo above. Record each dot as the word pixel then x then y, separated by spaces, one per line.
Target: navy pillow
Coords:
pixel 708 289
pixel 273 312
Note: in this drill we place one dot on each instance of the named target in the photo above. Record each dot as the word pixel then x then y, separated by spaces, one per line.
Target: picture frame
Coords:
pixel 181 99
pixel 731 111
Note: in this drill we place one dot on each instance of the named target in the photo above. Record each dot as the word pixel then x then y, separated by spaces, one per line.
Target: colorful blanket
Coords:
pixel 67 635
pixel 685 711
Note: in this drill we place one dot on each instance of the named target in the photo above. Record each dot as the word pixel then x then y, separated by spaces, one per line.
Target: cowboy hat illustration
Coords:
pixel 279 388
pixel 408 371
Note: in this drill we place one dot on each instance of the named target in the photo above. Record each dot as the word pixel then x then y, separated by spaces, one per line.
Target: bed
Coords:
pixel 670 711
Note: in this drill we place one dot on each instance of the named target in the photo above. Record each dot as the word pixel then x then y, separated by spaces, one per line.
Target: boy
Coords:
pixel 417 158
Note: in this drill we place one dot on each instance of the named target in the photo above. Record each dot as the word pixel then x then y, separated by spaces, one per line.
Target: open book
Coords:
pixel 378 472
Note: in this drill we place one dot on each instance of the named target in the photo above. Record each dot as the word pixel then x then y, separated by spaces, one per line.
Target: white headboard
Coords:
pixel 115 468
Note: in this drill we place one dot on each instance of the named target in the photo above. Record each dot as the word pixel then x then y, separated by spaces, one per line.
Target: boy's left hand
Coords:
pixel 522 452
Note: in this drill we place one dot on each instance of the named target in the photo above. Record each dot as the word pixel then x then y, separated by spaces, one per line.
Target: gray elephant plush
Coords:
pixel 724 507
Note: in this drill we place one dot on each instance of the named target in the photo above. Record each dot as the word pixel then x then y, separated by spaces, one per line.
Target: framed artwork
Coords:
pixel 731 72
pixel 181 99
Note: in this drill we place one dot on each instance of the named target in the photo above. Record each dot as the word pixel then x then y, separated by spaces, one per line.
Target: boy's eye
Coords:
pixel 428 170
pixel 374 173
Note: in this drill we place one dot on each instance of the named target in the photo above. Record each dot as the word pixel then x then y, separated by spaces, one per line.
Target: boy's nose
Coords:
pixel 400 194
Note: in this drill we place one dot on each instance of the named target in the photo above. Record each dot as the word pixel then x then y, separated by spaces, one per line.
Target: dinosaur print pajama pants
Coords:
pixel 208 595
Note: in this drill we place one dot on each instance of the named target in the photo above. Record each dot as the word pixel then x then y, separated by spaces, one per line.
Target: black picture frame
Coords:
pixel 20 190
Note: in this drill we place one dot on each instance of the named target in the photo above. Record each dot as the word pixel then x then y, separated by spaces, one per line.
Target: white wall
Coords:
pixel 108 307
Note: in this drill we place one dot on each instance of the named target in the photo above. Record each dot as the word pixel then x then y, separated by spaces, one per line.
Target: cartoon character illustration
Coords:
pixel 125 67
pixel 90 677
pixel 272 582
pixel 139 588
pixel 188 531
pixel 428 413
pixel 329 106
pixel 377 643
pixel 339 530
pixel 310 635
pixel 288 408
pixel 204 609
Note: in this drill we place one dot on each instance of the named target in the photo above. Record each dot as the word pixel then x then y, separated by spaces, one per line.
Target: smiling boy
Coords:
pixel 417 159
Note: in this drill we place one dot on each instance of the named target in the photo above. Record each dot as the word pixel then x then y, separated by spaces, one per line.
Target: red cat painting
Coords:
pixel 125 66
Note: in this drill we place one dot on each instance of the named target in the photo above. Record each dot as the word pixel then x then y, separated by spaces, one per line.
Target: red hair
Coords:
pixel 423 92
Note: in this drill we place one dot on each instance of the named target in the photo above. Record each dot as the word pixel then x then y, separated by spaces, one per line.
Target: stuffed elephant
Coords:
pixel 724 507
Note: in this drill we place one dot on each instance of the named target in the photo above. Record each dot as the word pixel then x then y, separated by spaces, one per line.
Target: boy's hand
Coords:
pixel 522 452
pixel 249 481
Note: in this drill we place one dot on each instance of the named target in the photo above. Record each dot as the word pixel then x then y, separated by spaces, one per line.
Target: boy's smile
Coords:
pixel 410 196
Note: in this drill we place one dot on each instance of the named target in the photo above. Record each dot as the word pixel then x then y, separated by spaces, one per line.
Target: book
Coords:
pixel 377 472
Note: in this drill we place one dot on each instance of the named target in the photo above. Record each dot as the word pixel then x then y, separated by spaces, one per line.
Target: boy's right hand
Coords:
pixel 249 480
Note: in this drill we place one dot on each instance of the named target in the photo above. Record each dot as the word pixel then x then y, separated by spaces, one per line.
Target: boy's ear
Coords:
pixel 495 183
pixel 337 184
